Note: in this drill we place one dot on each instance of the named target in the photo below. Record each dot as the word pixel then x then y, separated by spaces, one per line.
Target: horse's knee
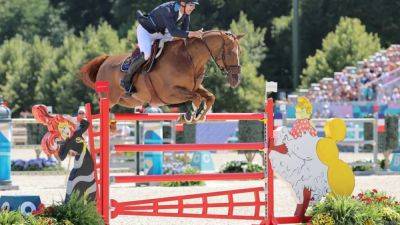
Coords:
pixel 197 97
pixel 196 102
pixel 211 98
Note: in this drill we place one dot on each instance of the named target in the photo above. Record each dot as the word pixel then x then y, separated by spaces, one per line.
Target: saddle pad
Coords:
pixel 125 65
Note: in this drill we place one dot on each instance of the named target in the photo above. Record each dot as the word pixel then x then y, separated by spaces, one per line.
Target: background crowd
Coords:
pixel 363 82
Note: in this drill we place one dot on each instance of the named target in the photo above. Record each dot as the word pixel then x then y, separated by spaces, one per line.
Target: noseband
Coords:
pixel 229 69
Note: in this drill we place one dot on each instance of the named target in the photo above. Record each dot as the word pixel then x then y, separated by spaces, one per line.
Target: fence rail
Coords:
pixel 355 133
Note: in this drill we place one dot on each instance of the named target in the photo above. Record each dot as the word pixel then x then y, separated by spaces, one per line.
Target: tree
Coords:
pixel 28 19
pixel 69 90
pixel 123 12
pixel 13 65
pixel 379 16
pixel 37 72
pixel 23 64
pixel 345 46
pixel 277 64
pixel 80 14
pixel 103 39
pixel 131 36
pixel 52 27
pixel 47 73
pixel 249 95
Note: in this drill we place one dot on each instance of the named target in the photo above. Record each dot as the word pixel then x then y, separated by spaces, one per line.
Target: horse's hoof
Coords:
pixel 200 110
pixel 180 120
pixel 200 115
pixel 186 118
pixel 194 108
pixel 202 118
pixel 189 118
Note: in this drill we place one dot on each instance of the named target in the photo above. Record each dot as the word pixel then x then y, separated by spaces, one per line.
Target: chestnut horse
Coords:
pixel 177 75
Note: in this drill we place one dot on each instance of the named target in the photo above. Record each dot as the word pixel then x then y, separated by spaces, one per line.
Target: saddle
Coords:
pixel 156 51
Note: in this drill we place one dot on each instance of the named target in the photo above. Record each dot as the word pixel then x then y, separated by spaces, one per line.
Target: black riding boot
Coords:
pixel 126 82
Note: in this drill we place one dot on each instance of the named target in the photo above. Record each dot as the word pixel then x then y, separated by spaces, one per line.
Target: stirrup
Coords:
pixel 127 93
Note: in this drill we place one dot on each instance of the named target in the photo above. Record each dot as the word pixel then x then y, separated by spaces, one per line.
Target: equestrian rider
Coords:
pixel 166 22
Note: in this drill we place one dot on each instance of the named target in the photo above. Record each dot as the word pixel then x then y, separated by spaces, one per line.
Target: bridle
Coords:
pixel 228 69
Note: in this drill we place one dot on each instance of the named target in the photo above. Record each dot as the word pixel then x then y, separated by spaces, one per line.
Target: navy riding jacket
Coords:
pixel 165 16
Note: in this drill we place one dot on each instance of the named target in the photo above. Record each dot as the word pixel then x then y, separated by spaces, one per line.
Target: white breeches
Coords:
pixel 146 40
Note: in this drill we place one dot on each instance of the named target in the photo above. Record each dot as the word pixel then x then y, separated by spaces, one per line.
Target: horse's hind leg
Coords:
pixel 210 99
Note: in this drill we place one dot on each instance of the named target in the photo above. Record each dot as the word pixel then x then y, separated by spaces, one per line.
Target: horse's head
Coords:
pixel 227 57
pixel 231 58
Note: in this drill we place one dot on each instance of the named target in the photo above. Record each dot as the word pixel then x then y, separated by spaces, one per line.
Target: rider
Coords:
pixel 166 22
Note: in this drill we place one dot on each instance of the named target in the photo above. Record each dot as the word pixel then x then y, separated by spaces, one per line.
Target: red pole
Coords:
pixel 103 87
pixel 105 157
pixel 190 147
pixel 188 177
pixel 271 204
pixel 268 173
pixel 175 116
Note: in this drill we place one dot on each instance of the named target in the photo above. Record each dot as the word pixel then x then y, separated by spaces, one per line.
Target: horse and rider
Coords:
pixel 166 22
pixel 177 75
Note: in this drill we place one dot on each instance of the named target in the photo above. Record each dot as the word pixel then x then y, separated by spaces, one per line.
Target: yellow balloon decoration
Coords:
pixel 341 178
pixel 335 129
pixel 327 151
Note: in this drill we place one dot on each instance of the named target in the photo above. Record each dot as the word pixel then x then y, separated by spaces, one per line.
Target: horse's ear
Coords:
pixel 240 36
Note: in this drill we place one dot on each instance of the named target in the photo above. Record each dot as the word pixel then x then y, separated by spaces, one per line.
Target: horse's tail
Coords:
pixel 90 69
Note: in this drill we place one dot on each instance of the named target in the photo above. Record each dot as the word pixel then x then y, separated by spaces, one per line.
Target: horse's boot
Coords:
pixel 126 82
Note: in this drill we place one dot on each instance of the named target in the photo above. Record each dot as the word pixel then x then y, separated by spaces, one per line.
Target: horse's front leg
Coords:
pixel 187 95
pixel 201 110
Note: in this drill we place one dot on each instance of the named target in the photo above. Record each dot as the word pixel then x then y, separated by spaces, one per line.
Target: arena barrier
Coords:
pixel 162 207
